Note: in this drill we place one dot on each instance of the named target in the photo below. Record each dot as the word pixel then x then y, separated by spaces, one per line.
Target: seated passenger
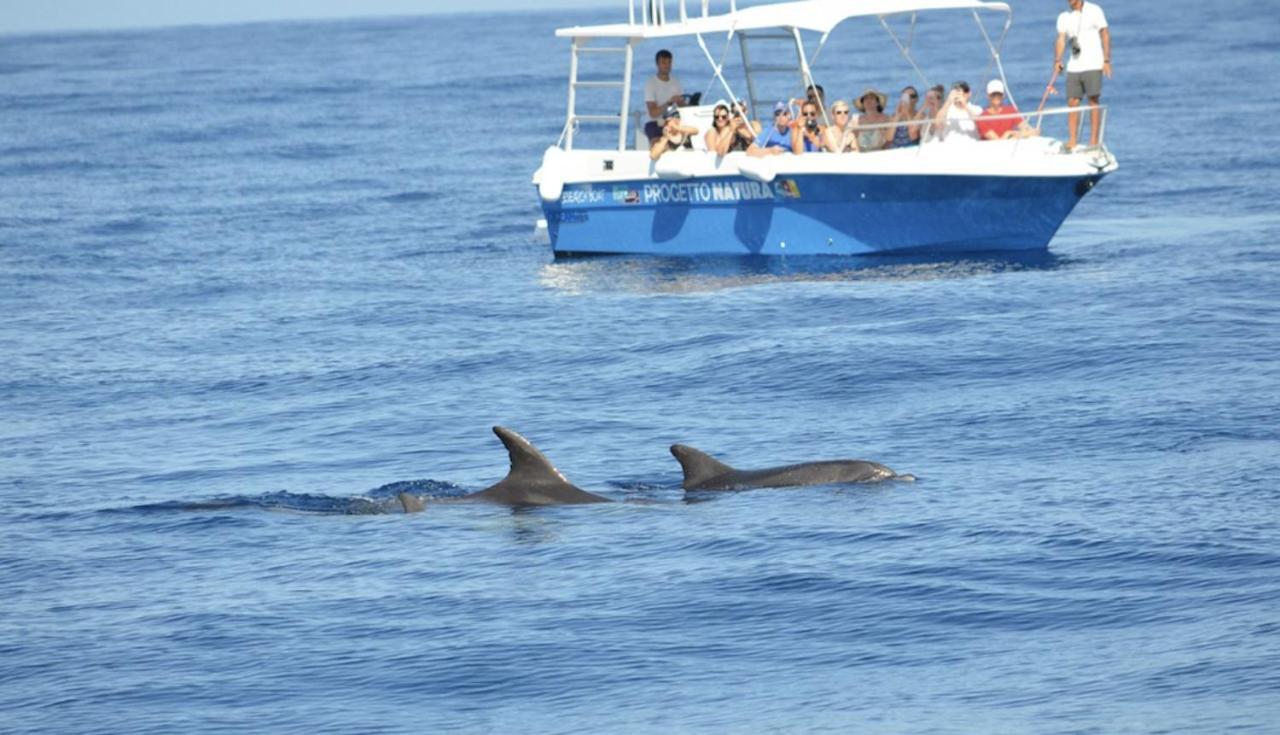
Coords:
pixel 812 93
pixel 810 134
pixel 958 118
pixel 774 140
pixel 929 111
pixel 730 131
pixel 674 135
pixel 871 105
pixel 908 131
pixel 739 110
pixel 1005 127
pixel 840 139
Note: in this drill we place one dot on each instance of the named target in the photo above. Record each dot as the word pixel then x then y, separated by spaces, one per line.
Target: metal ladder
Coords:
pixel 751 70
pixel 571 123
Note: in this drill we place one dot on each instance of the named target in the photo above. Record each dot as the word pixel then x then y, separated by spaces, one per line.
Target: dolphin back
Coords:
pixel 703 472
pixel 411 503
pixel 699 467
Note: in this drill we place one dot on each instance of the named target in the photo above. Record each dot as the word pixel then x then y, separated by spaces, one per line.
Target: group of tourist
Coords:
pixel 800 125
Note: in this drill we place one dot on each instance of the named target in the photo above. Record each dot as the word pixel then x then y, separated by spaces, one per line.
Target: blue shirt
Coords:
pixel 771 137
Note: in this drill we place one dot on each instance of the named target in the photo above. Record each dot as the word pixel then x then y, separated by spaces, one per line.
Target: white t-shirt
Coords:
pixel 660 92
pixel 960 126
pixel 1086 25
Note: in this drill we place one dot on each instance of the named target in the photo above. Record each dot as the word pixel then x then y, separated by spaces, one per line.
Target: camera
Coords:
pixel 1075 46
pixel 811 124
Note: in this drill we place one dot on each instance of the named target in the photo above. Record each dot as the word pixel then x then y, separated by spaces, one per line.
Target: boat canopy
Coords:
pixel 806 15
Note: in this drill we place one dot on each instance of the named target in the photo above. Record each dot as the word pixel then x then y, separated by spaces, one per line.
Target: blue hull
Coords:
pixel 813 214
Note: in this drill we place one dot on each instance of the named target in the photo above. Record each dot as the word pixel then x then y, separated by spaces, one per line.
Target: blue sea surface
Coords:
pixel 256 279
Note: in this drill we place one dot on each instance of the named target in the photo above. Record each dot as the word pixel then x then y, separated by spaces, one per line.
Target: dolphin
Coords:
pixel 704 472
pixel 532 480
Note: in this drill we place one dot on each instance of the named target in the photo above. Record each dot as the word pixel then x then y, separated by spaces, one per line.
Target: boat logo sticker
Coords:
pixel 585 195
pixel 623 195
pixel 787 188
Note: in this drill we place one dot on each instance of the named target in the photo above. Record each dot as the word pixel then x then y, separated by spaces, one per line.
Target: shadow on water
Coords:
pixel 655 274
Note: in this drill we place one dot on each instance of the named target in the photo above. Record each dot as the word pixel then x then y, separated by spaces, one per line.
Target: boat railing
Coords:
pixel 1027 117
pixel 1034 120
pixel 654 12
pixel 1036 128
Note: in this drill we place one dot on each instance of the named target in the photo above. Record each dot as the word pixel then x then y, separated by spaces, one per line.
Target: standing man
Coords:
pixel 661 90
pixel 1083 33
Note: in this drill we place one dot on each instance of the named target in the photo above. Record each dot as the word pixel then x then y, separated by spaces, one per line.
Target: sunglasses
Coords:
pixel 780 113
pixel 839 112
pixel 721 116
pixel 810 114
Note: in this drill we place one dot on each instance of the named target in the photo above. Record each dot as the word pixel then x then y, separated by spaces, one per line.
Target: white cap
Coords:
pixel 995 85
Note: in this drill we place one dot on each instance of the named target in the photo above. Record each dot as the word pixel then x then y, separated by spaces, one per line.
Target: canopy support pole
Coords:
pixel 994 48
pixel 906 51
pixel 806 72
pixel 718 68
pixel 626 94
pixel 570 122
pixel 746 71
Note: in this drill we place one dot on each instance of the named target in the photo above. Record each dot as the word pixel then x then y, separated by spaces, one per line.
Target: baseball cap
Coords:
pixel 995 85
pixel 781 107
pixel 670 112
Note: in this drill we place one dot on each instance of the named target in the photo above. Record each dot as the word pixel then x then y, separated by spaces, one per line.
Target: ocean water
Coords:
pixel 254 279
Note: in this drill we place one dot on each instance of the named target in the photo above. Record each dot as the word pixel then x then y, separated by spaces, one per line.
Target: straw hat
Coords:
pixel 884 99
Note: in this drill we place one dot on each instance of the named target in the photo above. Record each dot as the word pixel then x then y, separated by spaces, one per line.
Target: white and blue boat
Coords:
pixel 1006 195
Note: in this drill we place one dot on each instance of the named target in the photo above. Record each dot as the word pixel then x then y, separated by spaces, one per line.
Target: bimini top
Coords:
pixel 806 15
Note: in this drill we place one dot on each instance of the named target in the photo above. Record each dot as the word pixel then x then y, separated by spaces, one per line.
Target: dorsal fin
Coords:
pixel 698 466
pixel 527 463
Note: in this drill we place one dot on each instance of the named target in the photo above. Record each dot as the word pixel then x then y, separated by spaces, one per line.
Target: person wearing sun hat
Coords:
pixel 871 104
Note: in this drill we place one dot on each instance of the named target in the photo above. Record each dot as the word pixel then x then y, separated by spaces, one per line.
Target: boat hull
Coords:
pixel 813 214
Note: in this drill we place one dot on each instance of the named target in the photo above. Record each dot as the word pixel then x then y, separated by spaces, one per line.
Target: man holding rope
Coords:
pixel 1083 33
